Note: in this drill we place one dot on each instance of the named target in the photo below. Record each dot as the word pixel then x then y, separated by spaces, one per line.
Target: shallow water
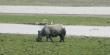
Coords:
pixel 100 31
pixel 55 10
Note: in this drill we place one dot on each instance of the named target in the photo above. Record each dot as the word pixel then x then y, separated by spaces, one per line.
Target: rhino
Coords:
pixel 50 31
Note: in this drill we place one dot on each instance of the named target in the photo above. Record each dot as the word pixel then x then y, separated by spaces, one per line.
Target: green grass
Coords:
pixel 11 44
pixel 57 2
pixel 75 20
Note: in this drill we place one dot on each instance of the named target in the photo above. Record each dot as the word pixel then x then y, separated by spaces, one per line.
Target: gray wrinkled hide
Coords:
pixel 52 31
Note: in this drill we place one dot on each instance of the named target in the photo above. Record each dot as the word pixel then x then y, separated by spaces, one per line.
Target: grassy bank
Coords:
pixel 75 20
pixel 57 2
pixel 26 45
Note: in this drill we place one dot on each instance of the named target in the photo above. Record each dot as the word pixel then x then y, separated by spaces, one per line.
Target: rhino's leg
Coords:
pixel 50 37
pixel 47 38
pixel 61 38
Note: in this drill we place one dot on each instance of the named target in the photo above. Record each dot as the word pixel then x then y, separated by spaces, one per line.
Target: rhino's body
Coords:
pixel 52 31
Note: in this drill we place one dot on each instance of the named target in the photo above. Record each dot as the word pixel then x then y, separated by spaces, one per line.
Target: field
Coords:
pixel 57 2
pixel 75 20
pixel 15 44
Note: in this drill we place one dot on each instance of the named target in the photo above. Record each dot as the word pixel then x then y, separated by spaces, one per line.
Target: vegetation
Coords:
pixel 15 44
pixel 75 20
pixel 57 2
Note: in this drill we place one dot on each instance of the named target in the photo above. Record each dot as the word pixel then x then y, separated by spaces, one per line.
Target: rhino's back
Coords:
pixel 56 27
pixel 53 29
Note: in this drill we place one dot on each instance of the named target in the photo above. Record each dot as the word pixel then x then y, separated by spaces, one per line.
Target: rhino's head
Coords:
pixel 39 36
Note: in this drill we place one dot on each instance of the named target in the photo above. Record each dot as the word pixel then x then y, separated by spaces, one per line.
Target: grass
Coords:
pixel 57 2
pixel 75 20
pixel 11 44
